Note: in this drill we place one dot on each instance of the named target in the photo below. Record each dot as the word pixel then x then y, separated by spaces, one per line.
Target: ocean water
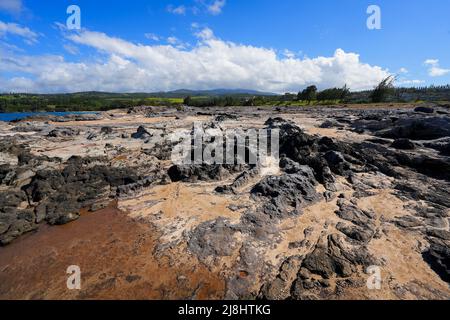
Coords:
pixel 21 115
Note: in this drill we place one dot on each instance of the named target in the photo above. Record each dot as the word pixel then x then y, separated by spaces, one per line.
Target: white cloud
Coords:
pixel 71 49
pixel 10 47
pixel 152 36
pixel 205 34
pixel 408 82
pixel 403 70
pixel 431 61
pixel 29 36
pixel 181 10
pixel 172 40
pixel 212 63
pixel 60 26
pixel 438 72
pixel 289 54
pixel 434 69
pixel 177 43
pixel 11 6
pixel 216 7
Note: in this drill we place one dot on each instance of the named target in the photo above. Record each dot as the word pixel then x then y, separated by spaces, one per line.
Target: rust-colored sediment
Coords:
pixel 115 255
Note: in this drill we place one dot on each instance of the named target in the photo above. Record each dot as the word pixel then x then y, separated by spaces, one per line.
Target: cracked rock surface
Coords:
pixel 354 188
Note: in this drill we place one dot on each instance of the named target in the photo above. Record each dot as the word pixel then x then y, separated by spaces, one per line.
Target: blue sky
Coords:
pixel 266 45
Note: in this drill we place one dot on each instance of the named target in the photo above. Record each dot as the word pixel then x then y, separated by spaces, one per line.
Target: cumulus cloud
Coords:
pixel 216 7
pixel 434 69
pixel 29 36
pixel 212 63
pixel 11 6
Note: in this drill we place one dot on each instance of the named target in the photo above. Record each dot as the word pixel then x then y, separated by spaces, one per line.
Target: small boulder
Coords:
pixel 403 144
pixel 428 110
pixel 106 130
pixel 141 133
pixel 63 133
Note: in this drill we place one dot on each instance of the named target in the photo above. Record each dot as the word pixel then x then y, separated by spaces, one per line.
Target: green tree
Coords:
pixel 345 92
pixel 187 101
pixel 229 101
pixel 383 90
pixel 2 105
pixel 333 94
pixel 309 94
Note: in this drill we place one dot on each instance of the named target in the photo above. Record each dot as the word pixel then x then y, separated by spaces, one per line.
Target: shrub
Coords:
pixel 384 89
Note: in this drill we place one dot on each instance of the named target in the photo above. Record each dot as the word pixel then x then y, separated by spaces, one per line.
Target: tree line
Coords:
pixel 76 102
pixel 98 101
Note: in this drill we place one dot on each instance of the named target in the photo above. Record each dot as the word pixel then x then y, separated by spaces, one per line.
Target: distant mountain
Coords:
pixel 217 92
pixel 181 93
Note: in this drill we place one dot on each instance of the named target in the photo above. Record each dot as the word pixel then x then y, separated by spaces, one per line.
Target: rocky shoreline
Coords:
pixel 356 187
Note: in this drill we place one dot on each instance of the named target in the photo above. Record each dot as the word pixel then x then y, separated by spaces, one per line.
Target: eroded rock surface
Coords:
pixel 354 188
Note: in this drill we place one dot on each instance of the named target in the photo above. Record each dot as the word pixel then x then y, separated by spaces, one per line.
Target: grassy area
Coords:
pixel 80 102
pixel 306 103
pixel 165 100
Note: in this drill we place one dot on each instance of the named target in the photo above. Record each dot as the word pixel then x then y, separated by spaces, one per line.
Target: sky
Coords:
pixel 267 45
